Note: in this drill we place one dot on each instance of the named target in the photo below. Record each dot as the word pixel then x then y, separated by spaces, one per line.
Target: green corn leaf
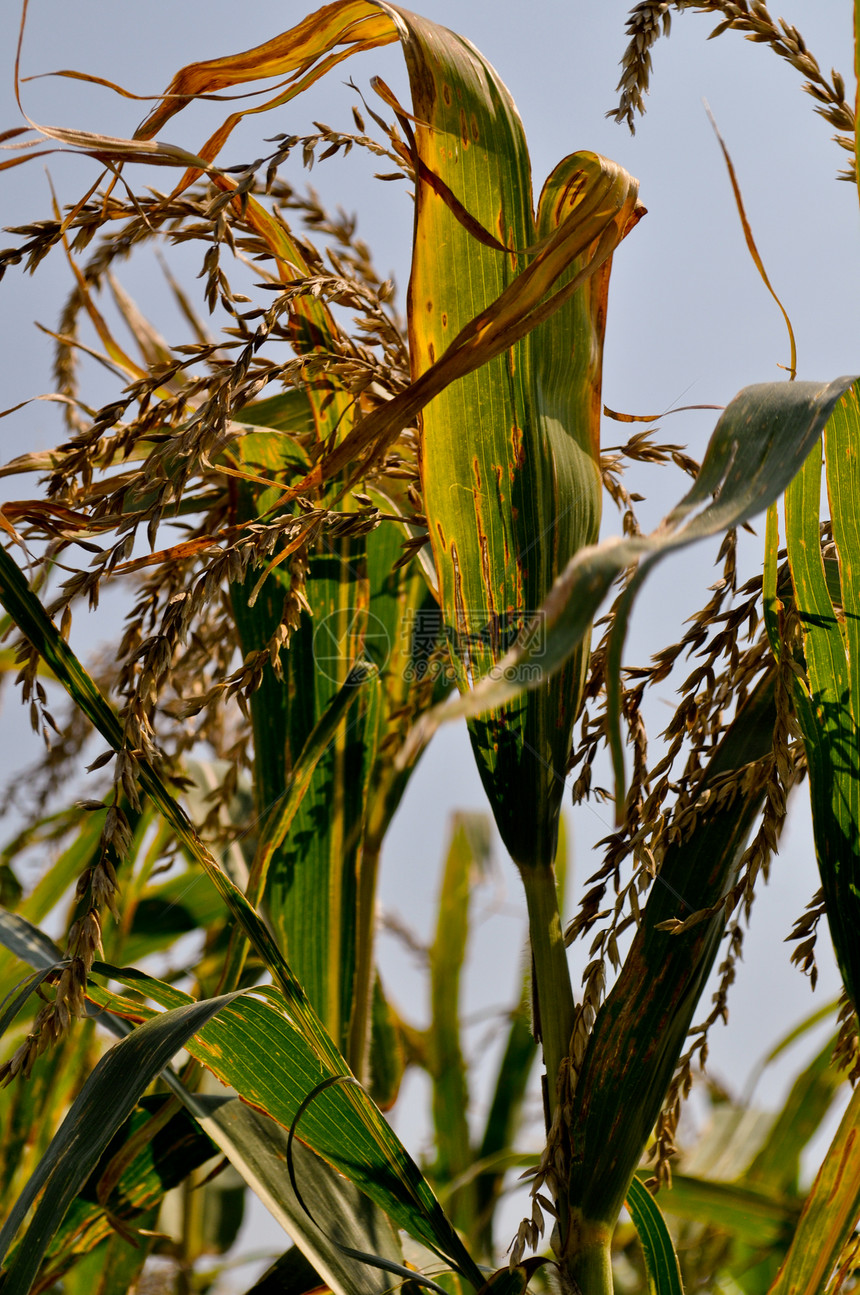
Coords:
pixel 33 621
pixel 18 997
pixel 315 869
pixel 256 1147
pixel 757 1216
pixel 518 435
pixel 828 702
pixel 340 1215
pixel 65 871
pixel 185 902
pixel 105 1101
pixel 829 1216
pixel 255 1048
pixel 166 1151
pixel 31 1111
pixel 116 1265
pixel 661 1262
pixel 27 942
pixel 777 1162
pixel 290 1272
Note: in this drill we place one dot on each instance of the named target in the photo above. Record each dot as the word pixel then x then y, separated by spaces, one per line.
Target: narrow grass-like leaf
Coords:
pixel 829 1216
pixel 103 1104
pixel 661 1262
pixel 777 1162
pixel 15 1001
pixel 467 859
pixel 282 813
pixel 256 1146
pixel 155 1150
pixel 66 868
pixel 312 759
pixel 27 942
pixel 34 622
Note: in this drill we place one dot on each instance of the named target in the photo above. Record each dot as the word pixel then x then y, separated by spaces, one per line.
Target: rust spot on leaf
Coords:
pixel 461 622
pixel 446 94
pixel 464 129
pixel 474 125
pixel 486 575
pixel 431 351
pixel 499 475
pixel 518 451
pixel 442 539
pixel 429 307
pixel 476 467
pixel 444 320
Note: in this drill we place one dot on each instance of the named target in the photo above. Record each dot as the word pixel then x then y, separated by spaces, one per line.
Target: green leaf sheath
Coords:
pixel 640 1029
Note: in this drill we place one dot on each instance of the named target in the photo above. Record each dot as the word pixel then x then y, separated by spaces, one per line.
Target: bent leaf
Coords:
pixel 757 447
pixel 518 436
pixel 256 1146
pixel 260 1053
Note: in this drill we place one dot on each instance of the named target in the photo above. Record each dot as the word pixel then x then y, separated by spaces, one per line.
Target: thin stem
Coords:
pixel 554 1007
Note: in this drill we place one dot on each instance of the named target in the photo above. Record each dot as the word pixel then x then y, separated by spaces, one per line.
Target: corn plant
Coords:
pixel 336 537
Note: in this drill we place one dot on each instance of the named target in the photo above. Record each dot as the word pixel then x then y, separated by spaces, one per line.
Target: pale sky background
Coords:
pixel 689 322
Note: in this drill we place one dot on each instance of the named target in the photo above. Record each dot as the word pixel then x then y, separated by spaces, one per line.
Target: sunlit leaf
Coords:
pixel 661 1262
pixel 106 1099
pixel 829 1216
pixel 828 702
